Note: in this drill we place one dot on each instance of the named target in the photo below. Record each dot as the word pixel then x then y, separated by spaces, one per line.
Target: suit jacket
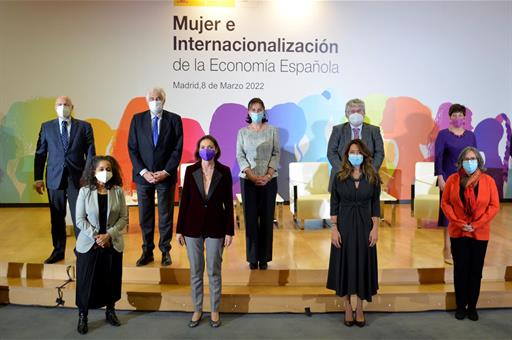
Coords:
pixel 50 151
pixel 487 206
pixel 88 219
pixel 166 155
pixel 206 215
pixel 341 136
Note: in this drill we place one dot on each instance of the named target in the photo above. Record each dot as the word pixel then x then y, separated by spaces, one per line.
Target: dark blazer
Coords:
pixel 341 136
pixel 167 153
pixel 50 151
pixel 202 215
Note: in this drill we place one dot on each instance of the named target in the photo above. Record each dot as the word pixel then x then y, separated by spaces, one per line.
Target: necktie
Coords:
pixel 155 130
pixel 64 135
pixel 356 133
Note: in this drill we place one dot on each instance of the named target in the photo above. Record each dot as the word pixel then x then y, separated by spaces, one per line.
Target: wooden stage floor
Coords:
pixel 26 239
pixel 412 273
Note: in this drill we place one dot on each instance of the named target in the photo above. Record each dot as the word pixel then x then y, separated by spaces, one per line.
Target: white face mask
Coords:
pixel 356 119
pixel 155 106
pixel 103 176
pixel 63 111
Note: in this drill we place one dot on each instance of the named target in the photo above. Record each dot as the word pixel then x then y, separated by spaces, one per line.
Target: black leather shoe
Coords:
pixel 253 265
pixel 263 265
pixel 166 259
pixel 195 323
pixel 144 259
pixel 349 323
pixel 215 324
pixel 56 256
pixel 111 317
pixel 472 314
pixel 360 323
pixel 460 314
pixel 82 327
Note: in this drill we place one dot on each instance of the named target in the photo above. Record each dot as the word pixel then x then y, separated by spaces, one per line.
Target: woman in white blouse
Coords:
pixel 257 153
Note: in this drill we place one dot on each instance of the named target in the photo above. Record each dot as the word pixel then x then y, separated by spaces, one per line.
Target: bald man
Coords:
pixel 65 144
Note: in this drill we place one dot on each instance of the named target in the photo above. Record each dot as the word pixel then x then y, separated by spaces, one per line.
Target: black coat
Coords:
pixel 166 155
pixel 206 215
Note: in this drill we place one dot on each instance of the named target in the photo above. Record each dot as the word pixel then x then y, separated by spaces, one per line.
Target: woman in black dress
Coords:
pixel 101 216
pixel 355 215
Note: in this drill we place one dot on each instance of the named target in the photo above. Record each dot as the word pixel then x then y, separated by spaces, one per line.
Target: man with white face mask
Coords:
pixel 155 144
pixel 355 128
pixel 65 144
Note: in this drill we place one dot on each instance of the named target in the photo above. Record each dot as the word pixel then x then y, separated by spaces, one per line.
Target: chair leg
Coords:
pixel 418 223
pixel 393 214
pixel 302 224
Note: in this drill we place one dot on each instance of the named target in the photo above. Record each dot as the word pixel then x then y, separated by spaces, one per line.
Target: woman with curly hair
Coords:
pixel 101 216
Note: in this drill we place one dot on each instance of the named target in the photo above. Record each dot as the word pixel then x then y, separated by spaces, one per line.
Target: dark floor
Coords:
pixel 23 322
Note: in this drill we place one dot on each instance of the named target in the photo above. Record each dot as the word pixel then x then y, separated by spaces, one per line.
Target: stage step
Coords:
pixel 257 299
pixel 246 277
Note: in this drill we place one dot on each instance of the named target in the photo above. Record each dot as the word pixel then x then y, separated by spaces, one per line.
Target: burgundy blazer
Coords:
pixel 206 215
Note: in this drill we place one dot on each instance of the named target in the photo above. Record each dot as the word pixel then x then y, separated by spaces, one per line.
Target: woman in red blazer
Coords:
pixel 470 201
pixel 206 217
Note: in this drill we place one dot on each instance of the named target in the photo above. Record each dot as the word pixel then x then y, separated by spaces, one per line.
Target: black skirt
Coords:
pixel 99 276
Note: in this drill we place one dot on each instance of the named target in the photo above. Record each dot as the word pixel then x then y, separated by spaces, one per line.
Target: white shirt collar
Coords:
pixel 360 127
pixel 68 120
pixel 153 115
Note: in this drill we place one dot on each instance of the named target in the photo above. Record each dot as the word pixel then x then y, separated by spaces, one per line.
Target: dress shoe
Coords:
pixel 82 327
pixel 166 259
pixel 111 317
pixel 472 314
pixel 215 324
pixel 56 256
pixel 144 259
pixel 460 313
pixel 253 265
pixel 348 323
pixel 195 323
pixel 263 265
pixel 358 323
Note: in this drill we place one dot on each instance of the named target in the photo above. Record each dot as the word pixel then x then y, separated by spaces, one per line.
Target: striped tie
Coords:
pixel 356 133
pixel 64 135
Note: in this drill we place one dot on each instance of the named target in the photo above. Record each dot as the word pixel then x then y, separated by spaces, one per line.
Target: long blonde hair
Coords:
pixel 367 166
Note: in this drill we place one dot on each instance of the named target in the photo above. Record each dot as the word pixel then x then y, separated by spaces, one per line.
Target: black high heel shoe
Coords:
pixel 195 323
pixel 347 322
pixel 360 323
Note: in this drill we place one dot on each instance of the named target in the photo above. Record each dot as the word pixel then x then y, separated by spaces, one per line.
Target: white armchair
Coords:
pixel 309 194
pixel 426 193
pixel 183 169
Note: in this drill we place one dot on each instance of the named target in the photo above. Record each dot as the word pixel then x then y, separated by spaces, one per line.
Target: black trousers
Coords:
pixel 442 221
pixel 468 263
pixel 259 205
pixel 146 198
pixel 57 198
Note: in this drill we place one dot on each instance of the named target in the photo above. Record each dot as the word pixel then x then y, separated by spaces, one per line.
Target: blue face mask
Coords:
pixel 256 117
pixel 355 159
pixel 470 166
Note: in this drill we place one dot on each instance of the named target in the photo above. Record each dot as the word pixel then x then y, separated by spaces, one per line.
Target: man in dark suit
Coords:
pixel 155 144
pixel 65 145
pixel 342 134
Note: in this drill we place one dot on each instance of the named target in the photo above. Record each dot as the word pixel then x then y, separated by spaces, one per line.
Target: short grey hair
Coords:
pixel 354 102
pixel 158 90
pixel 479 158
